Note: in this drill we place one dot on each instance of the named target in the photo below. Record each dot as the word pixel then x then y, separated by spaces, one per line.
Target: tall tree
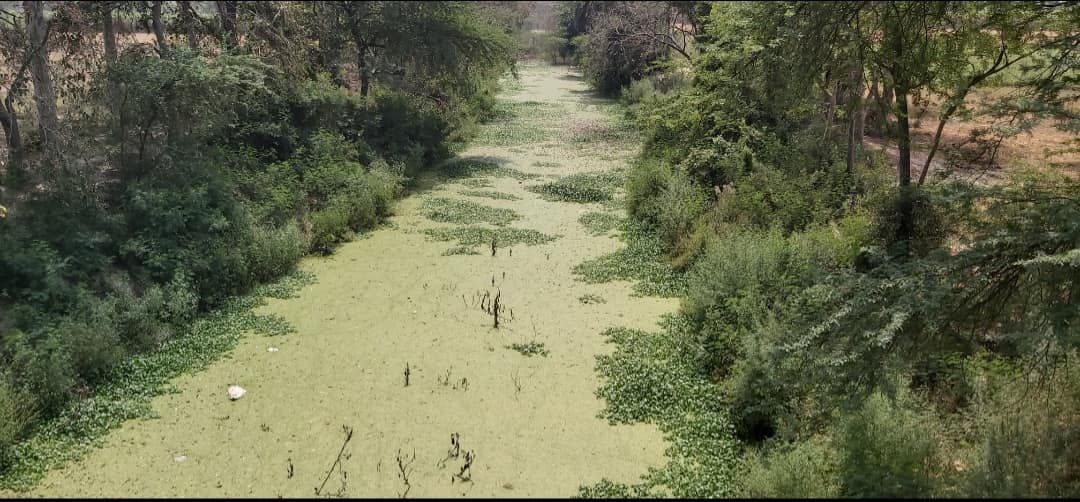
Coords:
pixel 37 30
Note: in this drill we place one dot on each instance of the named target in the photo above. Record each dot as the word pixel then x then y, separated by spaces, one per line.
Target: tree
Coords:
pixel 949 48
pixel 37 31
pixel 16 58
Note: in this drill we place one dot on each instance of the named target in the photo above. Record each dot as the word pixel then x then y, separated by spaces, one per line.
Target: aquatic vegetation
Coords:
pixel 642 260
pixel 600 223
pixel 463 212
pixel 581 187
pixel 590 298
pixel 529 349
pixel 504 236
pixel 490 194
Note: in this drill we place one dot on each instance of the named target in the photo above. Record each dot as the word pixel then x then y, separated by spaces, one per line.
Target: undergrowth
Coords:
pixel 128 390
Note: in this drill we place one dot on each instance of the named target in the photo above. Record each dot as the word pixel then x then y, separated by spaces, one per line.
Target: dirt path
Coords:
pixel 394 299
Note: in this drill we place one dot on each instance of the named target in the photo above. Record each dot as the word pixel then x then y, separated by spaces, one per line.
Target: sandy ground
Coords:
pixel 387 301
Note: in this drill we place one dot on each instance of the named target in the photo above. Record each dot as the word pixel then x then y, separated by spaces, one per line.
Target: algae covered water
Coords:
pixel 395 381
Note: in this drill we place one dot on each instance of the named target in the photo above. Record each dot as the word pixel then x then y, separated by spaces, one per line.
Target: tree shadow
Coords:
pixel 590 97
pixel 443 173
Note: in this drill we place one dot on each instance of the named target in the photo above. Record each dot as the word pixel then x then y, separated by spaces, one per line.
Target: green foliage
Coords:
pixel 650 378
pixel 477 182
pixel 471 167
pixel 491 194
pixel 193 177
pixel 82 425
pixel 523 122
pixel 529 349
pixel 802 470
pixel 461 250
pixel 503 236
pixel 581 187
pixel 1027 438
pixel 600 223
pixel 464 212
pixel 641 260
pixel 840 339
pixel 886 451
pixel 16 414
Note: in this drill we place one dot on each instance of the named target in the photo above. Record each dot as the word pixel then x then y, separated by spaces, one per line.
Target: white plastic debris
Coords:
pixel 236 392
pixel 272 349
pixel 180 459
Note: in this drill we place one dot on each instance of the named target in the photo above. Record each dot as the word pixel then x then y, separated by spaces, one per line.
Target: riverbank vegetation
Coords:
pixel 856 321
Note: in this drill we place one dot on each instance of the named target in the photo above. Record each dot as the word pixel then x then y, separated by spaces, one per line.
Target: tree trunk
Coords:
pixel 187 14
pixel 855 110
pixel 159 28
pixel 108 31
pixel 227 14
pixel 830 107
pixel 37 31
pixel 905 207
pixel 10 121
pixel 365 75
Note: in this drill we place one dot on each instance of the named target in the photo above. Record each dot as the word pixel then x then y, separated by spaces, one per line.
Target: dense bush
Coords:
pixel 801 470
pixel 886 451
pixel 845 346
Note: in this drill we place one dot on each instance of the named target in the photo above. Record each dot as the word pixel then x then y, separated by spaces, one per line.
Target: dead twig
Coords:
pixel 337 461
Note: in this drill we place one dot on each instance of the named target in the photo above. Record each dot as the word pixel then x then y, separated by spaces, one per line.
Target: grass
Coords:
pixel 642 260
pixel 530 349
pixel 490 194
pixel 581 187
pixel 129 390
pixel 465 212
pixel 600 223
pixel 475 236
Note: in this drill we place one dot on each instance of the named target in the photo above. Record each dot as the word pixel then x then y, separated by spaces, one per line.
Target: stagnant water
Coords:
pixel 392 300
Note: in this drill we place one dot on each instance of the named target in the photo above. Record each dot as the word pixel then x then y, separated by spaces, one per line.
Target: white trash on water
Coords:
pixel 272 349
pixel 236 392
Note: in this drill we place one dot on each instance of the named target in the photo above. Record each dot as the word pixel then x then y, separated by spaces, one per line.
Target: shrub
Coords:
pixel 273 252
pixel 678 206
pixel 1029 436
pixel 806 469
pixel 737 285
pixel 16 414
pixel 328 227
pixel 886 450
pixel 644 184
